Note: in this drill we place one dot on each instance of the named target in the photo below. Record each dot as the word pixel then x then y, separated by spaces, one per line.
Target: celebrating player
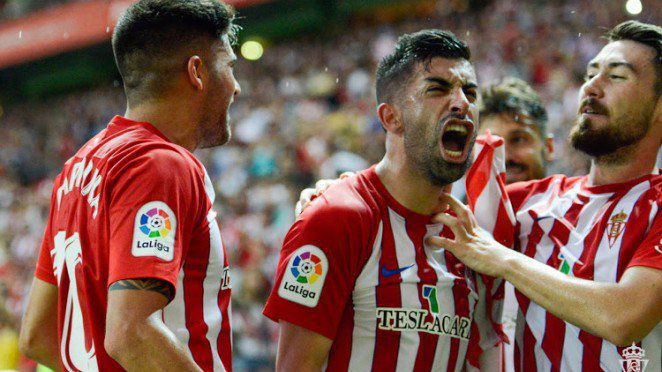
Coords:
pixel 511 109
pixel 132 271
pixel 357 287
pixel 589 278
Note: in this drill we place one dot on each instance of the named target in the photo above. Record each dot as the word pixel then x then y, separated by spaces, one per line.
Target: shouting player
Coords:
pixel 588 277
pixel 132 271
pixel 357 287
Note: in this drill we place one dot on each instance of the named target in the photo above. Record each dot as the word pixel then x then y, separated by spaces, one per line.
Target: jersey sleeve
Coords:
pixel 44 270
pixel 649 252
pixel 154 203
pixel 317 268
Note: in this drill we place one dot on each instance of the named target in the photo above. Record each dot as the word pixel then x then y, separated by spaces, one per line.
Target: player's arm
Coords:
pixel 620 312
pixel 38 338
pixel 300 349
pixel 136 337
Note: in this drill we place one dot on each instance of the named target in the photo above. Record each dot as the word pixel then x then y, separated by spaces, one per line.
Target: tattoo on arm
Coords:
pixel 146 284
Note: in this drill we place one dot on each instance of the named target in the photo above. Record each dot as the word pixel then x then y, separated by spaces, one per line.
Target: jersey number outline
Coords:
pixel 67 254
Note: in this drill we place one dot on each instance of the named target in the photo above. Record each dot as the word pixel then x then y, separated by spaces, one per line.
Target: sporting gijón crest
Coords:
pixel 615 227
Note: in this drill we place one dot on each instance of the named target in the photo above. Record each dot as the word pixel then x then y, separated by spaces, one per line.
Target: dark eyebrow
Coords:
pixel 443 82
pixel 471 85
pixel 613 65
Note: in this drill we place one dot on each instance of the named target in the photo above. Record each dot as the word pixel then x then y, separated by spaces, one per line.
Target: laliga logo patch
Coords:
pixel 304 276
pixel 154 231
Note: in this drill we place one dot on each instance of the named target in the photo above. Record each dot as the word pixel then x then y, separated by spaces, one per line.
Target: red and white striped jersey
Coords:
pixel 595 233
pixel 130 204
pixel 355 268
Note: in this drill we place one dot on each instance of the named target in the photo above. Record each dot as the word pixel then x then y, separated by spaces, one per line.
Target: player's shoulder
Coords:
pixel 520 191
pixel 154 156
pixel 348 200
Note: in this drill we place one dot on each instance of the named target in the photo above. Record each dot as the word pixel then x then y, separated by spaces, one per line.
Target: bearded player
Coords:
pixel 588 275
pixel 132 272
pixel 357 287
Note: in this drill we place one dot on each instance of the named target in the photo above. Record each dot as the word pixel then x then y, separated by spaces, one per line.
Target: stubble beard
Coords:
pixel 425 156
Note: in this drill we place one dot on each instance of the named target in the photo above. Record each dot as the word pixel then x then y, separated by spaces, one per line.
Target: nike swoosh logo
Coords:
pixel 542 218
pixel 386 272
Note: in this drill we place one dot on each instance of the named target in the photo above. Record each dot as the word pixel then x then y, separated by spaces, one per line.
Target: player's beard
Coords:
pixel 215 128
pixel 422 147
pixel 617 133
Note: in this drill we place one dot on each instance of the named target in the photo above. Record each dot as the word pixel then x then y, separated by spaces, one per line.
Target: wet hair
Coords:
pixel 643 33
pixel 514 97
pixel 151 37
pixel 395 70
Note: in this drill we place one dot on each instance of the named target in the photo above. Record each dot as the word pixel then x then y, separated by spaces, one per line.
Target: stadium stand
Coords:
pixel 306 112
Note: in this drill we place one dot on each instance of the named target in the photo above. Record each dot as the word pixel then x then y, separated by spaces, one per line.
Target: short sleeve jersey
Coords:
pixel 130 204
pixel 589 232
pixel 356 269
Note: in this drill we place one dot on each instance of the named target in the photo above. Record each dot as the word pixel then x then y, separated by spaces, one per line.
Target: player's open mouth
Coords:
pixel 455 140
pixel 588 110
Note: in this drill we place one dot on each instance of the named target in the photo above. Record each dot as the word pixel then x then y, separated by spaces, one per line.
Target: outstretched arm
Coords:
pixel 620 312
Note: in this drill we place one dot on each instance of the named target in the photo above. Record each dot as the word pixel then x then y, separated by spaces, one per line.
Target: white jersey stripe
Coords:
pixel 536 315
pixel 365 303
pixel 436 257
pixel 174 315
pixel 211 286
pixel 406 255
pixel 573 348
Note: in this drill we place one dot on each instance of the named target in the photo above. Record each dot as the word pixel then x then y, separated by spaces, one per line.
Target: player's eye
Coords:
pixel 616 77
pixel 588 77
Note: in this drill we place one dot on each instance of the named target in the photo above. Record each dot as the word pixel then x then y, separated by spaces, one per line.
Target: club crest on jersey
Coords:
pixel 154 231
pixel 417 320
pixel 304 276
pixel 633 359
pixel 615 227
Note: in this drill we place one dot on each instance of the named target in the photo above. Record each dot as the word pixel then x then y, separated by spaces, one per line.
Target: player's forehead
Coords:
pixel 223 49
pixel 457 71
pixel 623 54
pixel 506 124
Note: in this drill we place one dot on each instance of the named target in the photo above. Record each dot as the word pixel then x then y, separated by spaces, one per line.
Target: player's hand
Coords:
pixel 309 194
pixel 474 246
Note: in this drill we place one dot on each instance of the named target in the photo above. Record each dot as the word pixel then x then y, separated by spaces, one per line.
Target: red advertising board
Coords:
pixel 65 28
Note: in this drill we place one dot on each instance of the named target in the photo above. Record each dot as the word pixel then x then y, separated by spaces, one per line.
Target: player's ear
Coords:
pixel 194 72
pixel 390 117
pixel 548 152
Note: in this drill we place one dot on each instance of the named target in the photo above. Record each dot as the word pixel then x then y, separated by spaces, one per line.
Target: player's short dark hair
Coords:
pixel 151 35
pixel 644 33
pixel 514 97
pixel 394 70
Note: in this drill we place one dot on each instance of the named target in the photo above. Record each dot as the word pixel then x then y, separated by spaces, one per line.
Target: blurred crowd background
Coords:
pixel 307 111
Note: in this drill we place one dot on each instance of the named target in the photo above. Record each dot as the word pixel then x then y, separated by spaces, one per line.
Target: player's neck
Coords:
pixel 625 165
pixel 408 187
pixel 168 120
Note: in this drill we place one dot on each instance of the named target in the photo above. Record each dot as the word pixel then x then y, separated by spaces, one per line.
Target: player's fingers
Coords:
pixel 443 243
pixel 306 196
pixel 346 174
pixel 322 185
pixel 453 223
pixel 463 212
